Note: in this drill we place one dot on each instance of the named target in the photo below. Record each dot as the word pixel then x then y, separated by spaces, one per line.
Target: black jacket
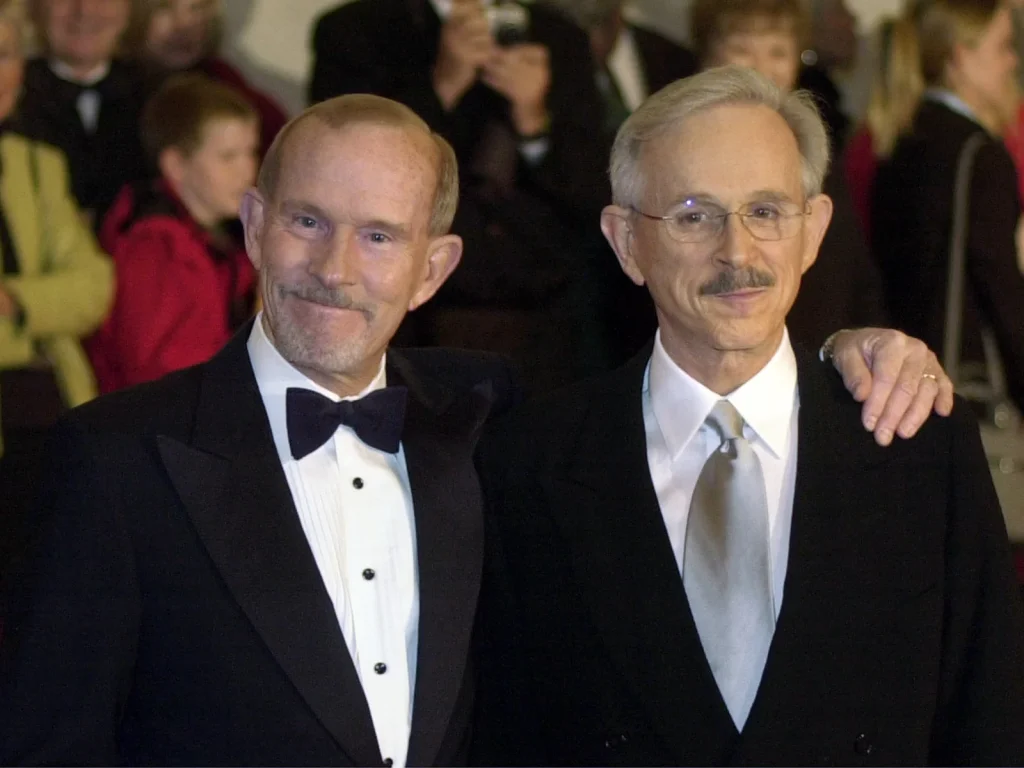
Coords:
pixel 175 614
pixel 900 639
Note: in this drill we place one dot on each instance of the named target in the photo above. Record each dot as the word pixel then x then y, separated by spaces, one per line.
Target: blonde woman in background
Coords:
pixel 895 95
pixel 55 287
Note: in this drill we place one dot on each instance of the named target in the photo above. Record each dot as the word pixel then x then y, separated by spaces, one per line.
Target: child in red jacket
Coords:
pixel 183 280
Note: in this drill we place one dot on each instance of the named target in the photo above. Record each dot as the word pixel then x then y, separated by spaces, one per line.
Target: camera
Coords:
pixel 509 23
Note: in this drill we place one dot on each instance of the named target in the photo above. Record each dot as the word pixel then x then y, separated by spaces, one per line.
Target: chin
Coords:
pixel 741 336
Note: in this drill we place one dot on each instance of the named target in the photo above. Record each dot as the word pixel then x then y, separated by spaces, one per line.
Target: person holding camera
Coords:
pixel 512 88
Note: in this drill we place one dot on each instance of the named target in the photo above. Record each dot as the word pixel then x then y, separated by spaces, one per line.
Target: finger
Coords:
pixel 920 408
pixel 884 354
pixel 944 398
pixel 944 401
pixel 849 361
pixel 902 393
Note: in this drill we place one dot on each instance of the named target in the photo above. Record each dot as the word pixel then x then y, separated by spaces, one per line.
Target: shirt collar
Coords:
pixel 275 375
pixel 681 404
pixel 65 72
pixel 953 102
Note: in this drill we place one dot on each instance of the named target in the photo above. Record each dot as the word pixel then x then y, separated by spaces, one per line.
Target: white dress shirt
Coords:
pixel 625 66
pixel 89 101
pixel 675 406
pixel 355 506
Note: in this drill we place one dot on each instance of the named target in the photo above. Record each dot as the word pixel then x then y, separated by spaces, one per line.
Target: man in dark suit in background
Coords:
pixel 701 558
pixel 630 64
pixel 512 88
pixel 83 99
pixel 258 561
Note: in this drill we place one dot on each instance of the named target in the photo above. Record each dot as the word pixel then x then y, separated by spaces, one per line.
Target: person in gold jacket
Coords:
pixel 55 287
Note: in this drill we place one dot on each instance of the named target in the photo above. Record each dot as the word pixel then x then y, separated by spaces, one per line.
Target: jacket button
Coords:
pixel 862 745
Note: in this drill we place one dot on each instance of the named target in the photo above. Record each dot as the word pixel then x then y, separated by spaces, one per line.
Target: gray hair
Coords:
pixel 668 108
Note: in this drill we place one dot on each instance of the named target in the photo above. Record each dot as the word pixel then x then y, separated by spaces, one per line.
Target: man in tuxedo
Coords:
pixel 259 561
pixel 702 558
pixel 83 99
pixel 511 87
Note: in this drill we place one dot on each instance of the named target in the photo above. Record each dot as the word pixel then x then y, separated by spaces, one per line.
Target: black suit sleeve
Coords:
pixel 992 259
pixel 72 634
pixel 981 690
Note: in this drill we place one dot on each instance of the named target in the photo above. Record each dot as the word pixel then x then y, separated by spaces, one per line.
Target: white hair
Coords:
pixel 670 107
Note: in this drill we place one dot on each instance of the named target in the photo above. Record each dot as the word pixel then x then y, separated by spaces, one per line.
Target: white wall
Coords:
pixel 269 39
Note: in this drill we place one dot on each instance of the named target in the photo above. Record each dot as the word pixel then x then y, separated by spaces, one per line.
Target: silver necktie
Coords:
pixel 726 566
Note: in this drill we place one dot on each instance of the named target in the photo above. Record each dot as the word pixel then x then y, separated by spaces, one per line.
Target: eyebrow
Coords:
pixel 758 196
pixel 393 228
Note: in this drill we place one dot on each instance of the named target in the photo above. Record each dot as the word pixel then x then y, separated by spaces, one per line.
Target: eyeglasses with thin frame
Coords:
pixel 697 221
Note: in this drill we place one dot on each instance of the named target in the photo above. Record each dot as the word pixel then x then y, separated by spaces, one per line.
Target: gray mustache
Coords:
pixel 327 297
pixel 737 280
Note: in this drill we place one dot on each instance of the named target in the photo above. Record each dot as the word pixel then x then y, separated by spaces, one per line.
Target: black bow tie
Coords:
pixel 376 419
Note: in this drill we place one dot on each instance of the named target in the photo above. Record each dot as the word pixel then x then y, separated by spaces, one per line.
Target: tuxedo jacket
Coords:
pixel 899 639
pixel 175 614
pixel 912 215
pixel 101 162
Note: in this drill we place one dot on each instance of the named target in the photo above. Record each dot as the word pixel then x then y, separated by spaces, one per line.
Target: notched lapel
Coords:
pixel 233 488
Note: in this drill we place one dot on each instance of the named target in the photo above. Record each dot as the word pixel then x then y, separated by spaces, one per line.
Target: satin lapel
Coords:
pixel 440 436
pixel 625 564
pixel 232 485
pixel 835 457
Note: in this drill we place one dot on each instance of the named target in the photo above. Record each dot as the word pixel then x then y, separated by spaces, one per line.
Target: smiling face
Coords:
pixel 180 31
pixel 731 293
pixel 84 33
pixel 343 244
pixel 768 46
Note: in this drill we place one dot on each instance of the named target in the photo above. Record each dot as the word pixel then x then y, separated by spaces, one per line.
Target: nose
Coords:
pixel 737 245
pixel 336 262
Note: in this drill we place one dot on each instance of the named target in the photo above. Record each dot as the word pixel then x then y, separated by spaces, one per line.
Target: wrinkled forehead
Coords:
pixel 365 162
pixel 729 153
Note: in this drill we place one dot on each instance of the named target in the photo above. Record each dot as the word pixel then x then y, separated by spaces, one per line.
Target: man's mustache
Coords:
pixel 731 281
pixel 336 298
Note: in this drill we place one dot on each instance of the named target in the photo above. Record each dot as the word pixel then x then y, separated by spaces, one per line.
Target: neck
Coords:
pixel 720 370
pixel 979 105
pixel 342 385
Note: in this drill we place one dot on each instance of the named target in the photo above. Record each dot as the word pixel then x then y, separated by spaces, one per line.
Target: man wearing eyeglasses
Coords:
pixel 702 558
